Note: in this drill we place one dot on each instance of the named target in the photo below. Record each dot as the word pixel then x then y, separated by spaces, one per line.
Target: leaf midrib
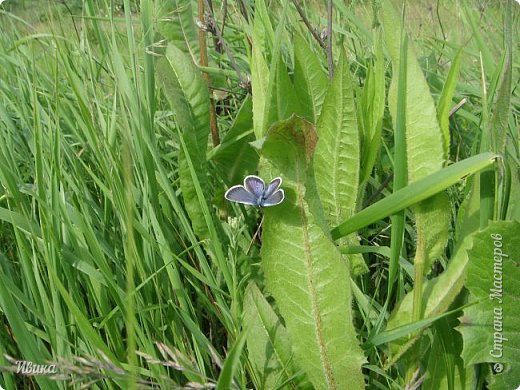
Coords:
pixel 312 291
pixel 335 161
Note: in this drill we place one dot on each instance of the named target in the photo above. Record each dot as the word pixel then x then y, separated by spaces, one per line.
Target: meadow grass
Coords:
pixel 102 269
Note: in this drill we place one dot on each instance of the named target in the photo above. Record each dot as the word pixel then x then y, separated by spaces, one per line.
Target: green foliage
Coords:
pixel 445 102
pixel 121 261
pixel 414 193
pixel 310 79
pixel 336 162
pixel 268 343
pixel 262 41
pixel 235 157
pixel 189 100
pixel 490 328
pixel 420 139
pixel 309 282
pixel 371 107
pixel 176 23
pixel 445 369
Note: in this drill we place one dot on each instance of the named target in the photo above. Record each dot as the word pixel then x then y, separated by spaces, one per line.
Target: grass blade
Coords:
pixel 414 193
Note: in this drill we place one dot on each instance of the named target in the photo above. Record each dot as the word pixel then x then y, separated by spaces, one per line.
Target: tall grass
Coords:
pixel 100 258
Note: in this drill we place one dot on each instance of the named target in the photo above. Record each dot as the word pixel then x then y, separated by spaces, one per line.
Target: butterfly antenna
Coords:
pixel 255 235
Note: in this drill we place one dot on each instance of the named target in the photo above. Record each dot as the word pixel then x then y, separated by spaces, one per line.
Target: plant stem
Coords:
pixel 307 23
pixel 329 40
pixel 215 30
pixel 203 61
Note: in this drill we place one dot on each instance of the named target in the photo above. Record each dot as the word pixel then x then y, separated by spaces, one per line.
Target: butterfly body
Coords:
pixel 255 193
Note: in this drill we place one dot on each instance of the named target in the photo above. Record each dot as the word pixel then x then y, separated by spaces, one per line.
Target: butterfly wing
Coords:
pixel 272 187
pixel 240 195
pixel 254 185
pixel 276 198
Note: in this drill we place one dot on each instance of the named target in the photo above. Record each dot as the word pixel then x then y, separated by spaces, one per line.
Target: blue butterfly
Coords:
pixel 254 193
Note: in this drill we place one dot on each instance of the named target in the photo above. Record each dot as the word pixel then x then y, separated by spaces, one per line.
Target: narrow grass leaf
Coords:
pixel 413 193
pixel 231 364
pixel 82 321
pixel 30 346
pixel 400 160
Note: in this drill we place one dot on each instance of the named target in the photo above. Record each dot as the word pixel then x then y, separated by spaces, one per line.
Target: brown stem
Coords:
pixel 329 39
pixel 224 15
pixel 457 107
pixel 243 10
pixel 383 185
pixel 215 30
pixel 312 30
pixel 204 62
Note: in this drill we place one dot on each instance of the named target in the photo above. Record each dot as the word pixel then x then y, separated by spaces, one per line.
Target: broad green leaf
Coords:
pixel 286 98
pixel 445 101
pixel 491 328
pixel 501 109
pixel 189 98
pixel 424 145
pixel 275 109
pixel 310 79
pixel 336 159
pixel 235 157
pixel 433 220
pixel 371 110
pixel 303 267
pixel 262 45
pixel 176 23
pixel 259 82
pixel 263 28
pixel 504 139
pixel 509 378
pixel 268 343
